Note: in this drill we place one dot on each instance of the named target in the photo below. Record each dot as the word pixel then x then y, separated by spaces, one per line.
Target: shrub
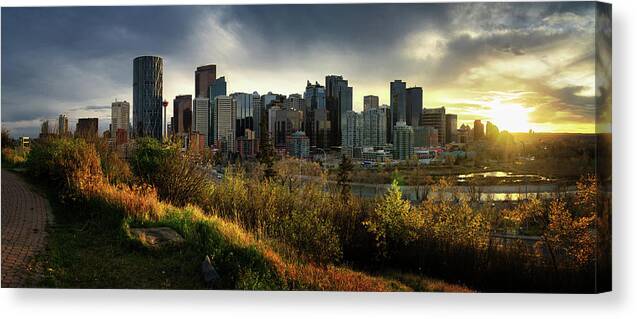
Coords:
pixel 71 164
pixel 178 177
pixel 13 157
pixel 393 222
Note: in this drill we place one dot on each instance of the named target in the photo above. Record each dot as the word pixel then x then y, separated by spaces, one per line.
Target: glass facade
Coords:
pixel 147 96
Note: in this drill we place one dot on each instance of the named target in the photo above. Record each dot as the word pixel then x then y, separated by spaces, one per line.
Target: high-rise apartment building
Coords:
pixel 120 117
pixel 225 117
pixel 436 118
pixel 147 96
pixel 204 77
pixel 413 106
pixel 201 117
pixel 375 127
pixel 338 102
pixel 353 134
pixel 182 114
pixel 403 141
pixel 451 127
pixel 370 102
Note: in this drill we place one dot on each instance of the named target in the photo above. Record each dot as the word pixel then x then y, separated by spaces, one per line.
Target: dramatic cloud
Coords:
pixel 536 60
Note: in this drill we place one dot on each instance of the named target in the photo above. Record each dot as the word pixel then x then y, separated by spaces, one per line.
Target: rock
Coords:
pixel 210 275
pixel 157 236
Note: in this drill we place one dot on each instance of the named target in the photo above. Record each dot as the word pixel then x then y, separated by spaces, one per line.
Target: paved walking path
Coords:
pixel 24 219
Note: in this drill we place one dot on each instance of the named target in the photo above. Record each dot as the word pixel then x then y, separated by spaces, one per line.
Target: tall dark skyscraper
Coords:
pixel 182 114
pixel 338 100
pixel 316 121
pixel 147 96
pixel 414 106
pixel 397 101
pixel 219 87
pixel 204 77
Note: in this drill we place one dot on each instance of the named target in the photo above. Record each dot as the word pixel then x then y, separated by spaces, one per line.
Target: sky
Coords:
pixel 520 65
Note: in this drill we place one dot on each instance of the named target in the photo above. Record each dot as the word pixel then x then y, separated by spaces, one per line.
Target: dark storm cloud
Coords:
pixel 68 58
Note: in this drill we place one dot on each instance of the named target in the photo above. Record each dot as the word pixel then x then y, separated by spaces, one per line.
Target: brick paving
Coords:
pixel 24 219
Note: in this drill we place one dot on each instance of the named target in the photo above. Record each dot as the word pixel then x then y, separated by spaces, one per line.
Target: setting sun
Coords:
pixel 509 117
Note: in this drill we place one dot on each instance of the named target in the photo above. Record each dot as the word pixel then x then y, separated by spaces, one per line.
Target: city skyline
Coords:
pixel 530 95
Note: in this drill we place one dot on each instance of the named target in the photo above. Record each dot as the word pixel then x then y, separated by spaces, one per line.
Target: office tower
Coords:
pixel 204 77
pixel 397 101
pixel 218 88
pixel 270 99
pixel 295 101
pixel 465 134
pixel 436 118
pixel 182 114
pixel 492 131
pixel 147 96
pixel 338 101
pixel 63 125
pixel 245 113
pixel 451 127
pixel 201 117
pixel 298 145
pixel 317 125
pixel 120 117
pixel 390 125
pixel 370 102
pixel 283 122
pixel 478 130
pixel 425 136
pixel 413 106
pixel 87 128
pixel 375 127
pixel 225 117
pixel 259 114
pixel 353 134
pixel 403 141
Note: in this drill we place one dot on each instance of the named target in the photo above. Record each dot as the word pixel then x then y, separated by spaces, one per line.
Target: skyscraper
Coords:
pixel 397 102
pixel 283 122
pixel 225 117
pixel 370 102
pixel 353 136
pixel 182 114
pixel 478 130
pixel 315 116
pixel 413 106
pixel 492 132
pixel 218 88
pixel 451 127
pixel 63 125
pixel 204 77
pixel 403 141
pixel 245 113
pixel 147 96
pixel 258 110
pixel 436 118
pixel 201 117
pixel 120 111
pixel 295 101
pixel 338 101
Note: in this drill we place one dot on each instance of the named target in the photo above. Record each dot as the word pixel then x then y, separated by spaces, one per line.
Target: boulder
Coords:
pixel 157 236
pixel 210 275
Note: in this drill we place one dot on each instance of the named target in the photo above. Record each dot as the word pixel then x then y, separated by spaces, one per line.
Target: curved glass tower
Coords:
pixel 147 96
